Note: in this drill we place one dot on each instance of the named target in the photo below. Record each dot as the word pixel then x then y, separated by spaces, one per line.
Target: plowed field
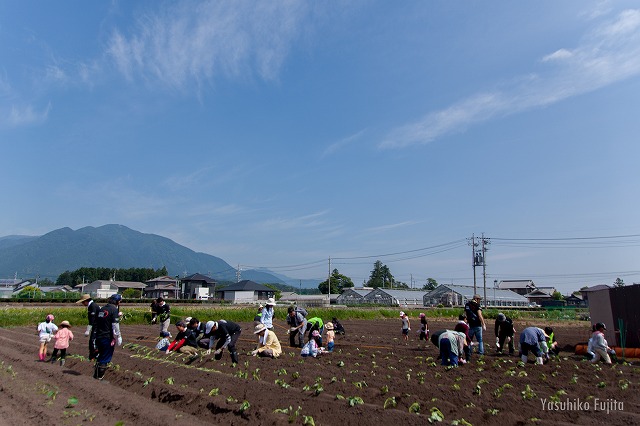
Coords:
pixel 373 377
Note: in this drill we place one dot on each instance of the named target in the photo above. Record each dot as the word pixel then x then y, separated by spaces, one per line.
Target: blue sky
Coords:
pixel 275 134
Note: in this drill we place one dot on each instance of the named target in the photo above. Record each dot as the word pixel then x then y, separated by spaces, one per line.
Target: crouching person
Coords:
pixel 451 344
pixel 531 339
pixel 600 347
pixel 268 343
pixel 312 347
pixel 185 341
pixel 226 333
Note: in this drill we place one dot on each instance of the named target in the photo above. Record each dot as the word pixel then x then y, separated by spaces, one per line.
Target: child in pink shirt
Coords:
pixel 63 337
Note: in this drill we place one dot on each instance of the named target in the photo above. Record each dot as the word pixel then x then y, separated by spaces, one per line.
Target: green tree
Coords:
pixel 338 283
pixel 30 292
pixel 431 284
pixel 556 295
pixel 132 293
pixel 276 290
pixel 381 276
pixel 618 283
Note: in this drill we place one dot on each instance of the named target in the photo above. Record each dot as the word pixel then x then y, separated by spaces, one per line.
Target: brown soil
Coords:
pixel 371 362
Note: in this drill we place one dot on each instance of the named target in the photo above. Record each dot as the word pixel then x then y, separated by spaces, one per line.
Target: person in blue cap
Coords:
pixel 107 334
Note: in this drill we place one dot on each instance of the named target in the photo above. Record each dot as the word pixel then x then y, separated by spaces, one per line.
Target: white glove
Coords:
pixel 409 328
pixel 88 331
pixel 218 351
pixel 119 341
pixel 207 352
pixel 288 331
pixel 484 327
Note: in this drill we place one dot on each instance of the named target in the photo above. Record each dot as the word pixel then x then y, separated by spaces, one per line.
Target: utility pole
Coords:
pixel 485 243
pixel 329 281
pixel 474 260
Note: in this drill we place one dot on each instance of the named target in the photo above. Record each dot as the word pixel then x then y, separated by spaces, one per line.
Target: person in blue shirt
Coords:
pixel 530 340
pixel 267 314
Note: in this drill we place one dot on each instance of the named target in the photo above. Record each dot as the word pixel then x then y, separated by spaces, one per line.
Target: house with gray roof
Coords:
pixel 245 291
pixel 165 287
pixel 519 286
pixel 197 286
pixel 102 289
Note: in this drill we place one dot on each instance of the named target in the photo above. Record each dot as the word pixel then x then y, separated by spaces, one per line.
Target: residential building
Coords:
pixel 245 291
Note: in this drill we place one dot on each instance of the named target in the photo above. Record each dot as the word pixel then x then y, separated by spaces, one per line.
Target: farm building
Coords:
pixel 245 291
pixel 458 295
pixel 308 299
pixel 352 296
pixel 617 308
pixel 387 297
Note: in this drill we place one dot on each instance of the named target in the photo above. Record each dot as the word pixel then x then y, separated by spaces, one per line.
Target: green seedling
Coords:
pixel 355 400
pixel 390 402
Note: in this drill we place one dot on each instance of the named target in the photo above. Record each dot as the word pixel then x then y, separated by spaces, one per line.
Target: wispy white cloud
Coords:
pixel 608 54
pixel 197 41
pixel 25 115
pixel 334 147
pixel 391 226
pixel 306 221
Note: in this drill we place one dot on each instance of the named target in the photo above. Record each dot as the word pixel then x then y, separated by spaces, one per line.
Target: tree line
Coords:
pixel 89 275
pixel 380 276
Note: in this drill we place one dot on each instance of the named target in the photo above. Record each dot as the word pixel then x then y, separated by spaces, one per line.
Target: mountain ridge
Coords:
pixel 113 246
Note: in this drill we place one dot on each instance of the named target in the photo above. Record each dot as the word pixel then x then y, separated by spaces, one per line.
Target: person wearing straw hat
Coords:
pixel 163 312
pixel 268 343
pixel 63 337
pixel 331 336
pixel 92 314
pixel 267 313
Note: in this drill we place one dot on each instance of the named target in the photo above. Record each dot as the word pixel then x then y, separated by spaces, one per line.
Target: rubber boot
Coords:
pixel 524 358
pixel 41 356
pixel 234 357
pixel 539 360
pixel 53 360
pixel 95 370
pixel 102 369
pixel 62 362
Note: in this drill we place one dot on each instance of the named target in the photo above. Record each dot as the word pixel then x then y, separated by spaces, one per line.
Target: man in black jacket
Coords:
pixel 504 333
pixel 107 334
pixel 92 313
pixel 227 334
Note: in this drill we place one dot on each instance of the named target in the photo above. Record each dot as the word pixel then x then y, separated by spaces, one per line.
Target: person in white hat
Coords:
pixel 268 343
pixel 406 325
pixel 92 314
pixel 63 337
pixel 267 313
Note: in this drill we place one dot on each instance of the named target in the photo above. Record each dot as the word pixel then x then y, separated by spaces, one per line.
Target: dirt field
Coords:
pixel 371 369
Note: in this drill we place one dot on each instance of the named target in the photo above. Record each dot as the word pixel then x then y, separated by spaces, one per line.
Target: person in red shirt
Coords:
pixel 463 328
